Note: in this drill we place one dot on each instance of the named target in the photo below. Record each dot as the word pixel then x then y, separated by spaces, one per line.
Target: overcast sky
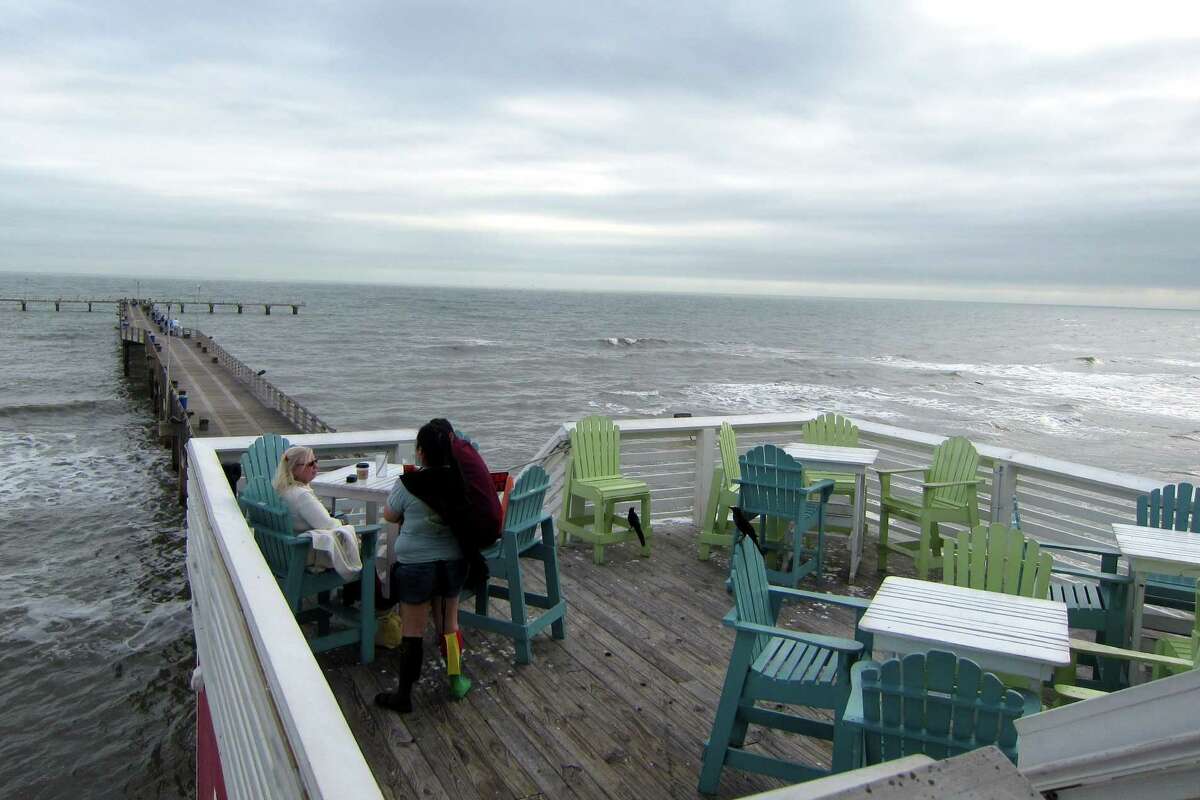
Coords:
pixel 1022 150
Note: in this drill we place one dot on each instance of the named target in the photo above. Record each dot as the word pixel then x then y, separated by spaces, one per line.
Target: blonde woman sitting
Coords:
pixel 335 544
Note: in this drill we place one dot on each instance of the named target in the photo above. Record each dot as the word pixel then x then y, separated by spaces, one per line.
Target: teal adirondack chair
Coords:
pixel 1172 655
pixel 776 665
pixel 722 495
pixel 948 494
pixel 772 486
pixel 1175 507
pixel 595 476
pixel 836 431
pixel 528 532
pixel 996 558
pixel 262 457
pixel 286 555
pixel 932 703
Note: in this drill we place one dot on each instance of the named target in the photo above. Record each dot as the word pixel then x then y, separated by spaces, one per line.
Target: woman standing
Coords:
pixel 430 568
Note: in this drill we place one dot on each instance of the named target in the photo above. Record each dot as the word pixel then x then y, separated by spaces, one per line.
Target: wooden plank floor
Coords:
pixel 619 709
pixel 213 392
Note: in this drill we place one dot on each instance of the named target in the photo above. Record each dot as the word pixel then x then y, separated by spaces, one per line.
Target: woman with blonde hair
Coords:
pixel 296 469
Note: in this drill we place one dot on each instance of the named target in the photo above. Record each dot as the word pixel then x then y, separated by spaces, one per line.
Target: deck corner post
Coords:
pixel 706 440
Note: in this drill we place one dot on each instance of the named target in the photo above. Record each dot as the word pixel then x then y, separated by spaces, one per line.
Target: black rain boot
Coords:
pixel 412 654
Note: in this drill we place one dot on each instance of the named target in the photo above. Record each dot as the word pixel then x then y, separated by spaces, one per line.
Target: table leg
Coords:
pixel 858 524
pixel 1135 627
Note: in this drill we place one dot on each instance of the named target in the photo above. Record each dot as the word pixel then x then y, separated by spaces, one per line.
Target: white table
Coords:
pixel 1168 552
pixel 999 632
pixel 373 491
pixel 848 460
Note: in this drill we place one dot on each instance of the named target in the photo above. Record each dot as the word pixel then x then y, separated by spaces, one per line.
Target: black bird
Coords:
pixel 636 525
pixel 744 527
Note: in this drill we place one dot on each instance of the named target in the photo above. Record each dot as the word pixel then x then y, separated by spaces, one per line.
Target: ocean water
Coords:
pixel 95 646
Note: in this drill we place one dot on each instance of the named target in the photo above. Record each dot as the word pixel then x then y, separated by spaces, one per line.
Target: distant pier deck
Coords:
pixel 212 304
pixel 198 388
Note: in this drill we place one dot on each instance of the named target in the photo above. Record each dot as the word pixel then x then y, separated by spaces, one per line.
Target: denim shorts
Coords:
pixel 419 583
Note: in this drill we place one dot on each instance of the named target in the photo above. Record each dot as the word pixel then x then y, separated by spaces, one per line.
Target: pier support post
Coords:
pixel 181 309
pixel 239 305
pixel 267 308
pixel 23 308
pixel 89 308
pixel 295 310
pixel 210 308
pixel 56 305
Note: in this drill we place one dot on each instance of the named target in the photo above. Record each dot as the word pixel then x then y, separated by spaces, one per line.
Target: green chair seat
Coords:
pixel 616 487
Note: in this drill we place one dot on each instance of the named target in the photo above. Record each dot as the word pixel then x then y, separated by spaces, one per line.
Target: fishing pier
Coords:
pixel 197 388
pixel 213 305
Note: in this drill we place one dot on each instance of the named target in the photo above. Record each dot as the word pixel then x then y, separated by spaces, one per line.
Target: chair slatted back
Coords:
pixel 998 559
pixel 1173 506
pixel 831 429
pixel 595 448
pixel 953 460
pixel 770 483
pixel 727 441
pixel 751 589
pixel 262 457
pixel 524 513
pixel 937 704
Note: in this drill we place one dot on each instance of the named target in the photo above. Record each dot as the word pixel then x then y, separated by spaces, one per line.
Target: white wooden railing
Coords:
pixel 1059 501
pixel 279 728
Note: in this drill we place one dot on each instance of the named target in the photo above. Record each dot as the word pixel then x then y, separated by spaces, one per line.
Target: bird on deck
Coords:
pixel 636 525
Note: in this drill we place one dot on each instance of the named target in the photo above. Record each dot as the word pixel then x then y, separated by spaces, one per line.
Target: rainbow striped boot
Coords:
pixel 459 683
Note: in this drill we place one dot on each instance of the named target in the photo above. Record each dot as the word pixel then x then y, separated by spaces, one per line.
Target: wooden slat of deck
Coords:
pixel 213 392
pixel 620 709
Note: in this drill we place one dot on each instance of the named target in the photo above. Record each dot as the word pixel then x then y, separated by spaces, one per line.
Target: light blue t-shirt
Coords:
pixel 424 536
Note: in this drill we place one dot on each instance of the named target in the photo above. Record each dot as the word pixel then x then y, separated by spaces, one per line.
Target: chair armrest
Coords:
pixel 825 487
pixel 818 597
pixel 1092 648
pixel 1093 549
pixel 854 704
pixel 898 471
pixel 944 484
pixel 828 642
pixel 363 530
pixel 1103 577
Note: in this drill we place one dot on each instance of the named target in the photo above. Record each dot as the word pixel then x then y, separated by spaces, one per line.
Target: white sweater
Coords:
pixel 308 513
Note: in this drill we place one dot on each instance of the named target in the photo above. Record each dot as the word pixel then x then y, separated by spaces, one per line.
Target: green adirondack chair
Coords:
pixel 262 457
pixel 528 533
pixel 948 494
pixel 722 495
pixel 595 476
pixel 1182 647
pixel 836 431
pixel 772 486
pixel 997 558
pixel 1175 507
pixel 933 703
pixel 776 665
pixel 286 555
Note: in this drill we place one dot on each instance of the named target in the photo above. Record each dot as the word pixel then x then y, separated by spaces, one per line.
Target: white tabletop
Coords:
pixel 375 488
pixel 1001 632
pixel 1159 549
pixel 829 454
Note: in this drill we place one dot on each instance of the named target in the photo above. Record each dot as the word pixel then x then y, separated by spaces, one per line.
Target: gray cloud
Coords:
pixel 866 145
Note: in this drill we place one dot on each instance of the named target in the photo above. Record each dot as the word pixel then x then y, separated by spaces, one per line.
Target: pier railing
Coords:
pixel 267 392
pixel 279 727
pixel 1059 501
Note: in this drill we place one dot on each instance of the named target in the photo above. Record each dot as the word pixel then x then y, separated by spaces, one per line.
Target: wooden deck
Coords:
pixel 619 709
pixel 213 392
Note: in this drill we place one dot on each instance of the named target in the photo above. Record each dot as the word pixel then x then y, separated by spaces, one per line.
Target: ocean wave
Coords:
pixel 633 392
pixel 630 341
pixel 48 409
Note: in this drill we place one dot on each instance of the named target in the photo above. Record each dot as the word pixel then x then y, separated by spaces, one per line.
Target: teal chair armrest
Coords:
pixel 825 487
pixel 856 603
pixel 1108 555
pixel 1103 577
pixel 854 705
pixel 835 643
